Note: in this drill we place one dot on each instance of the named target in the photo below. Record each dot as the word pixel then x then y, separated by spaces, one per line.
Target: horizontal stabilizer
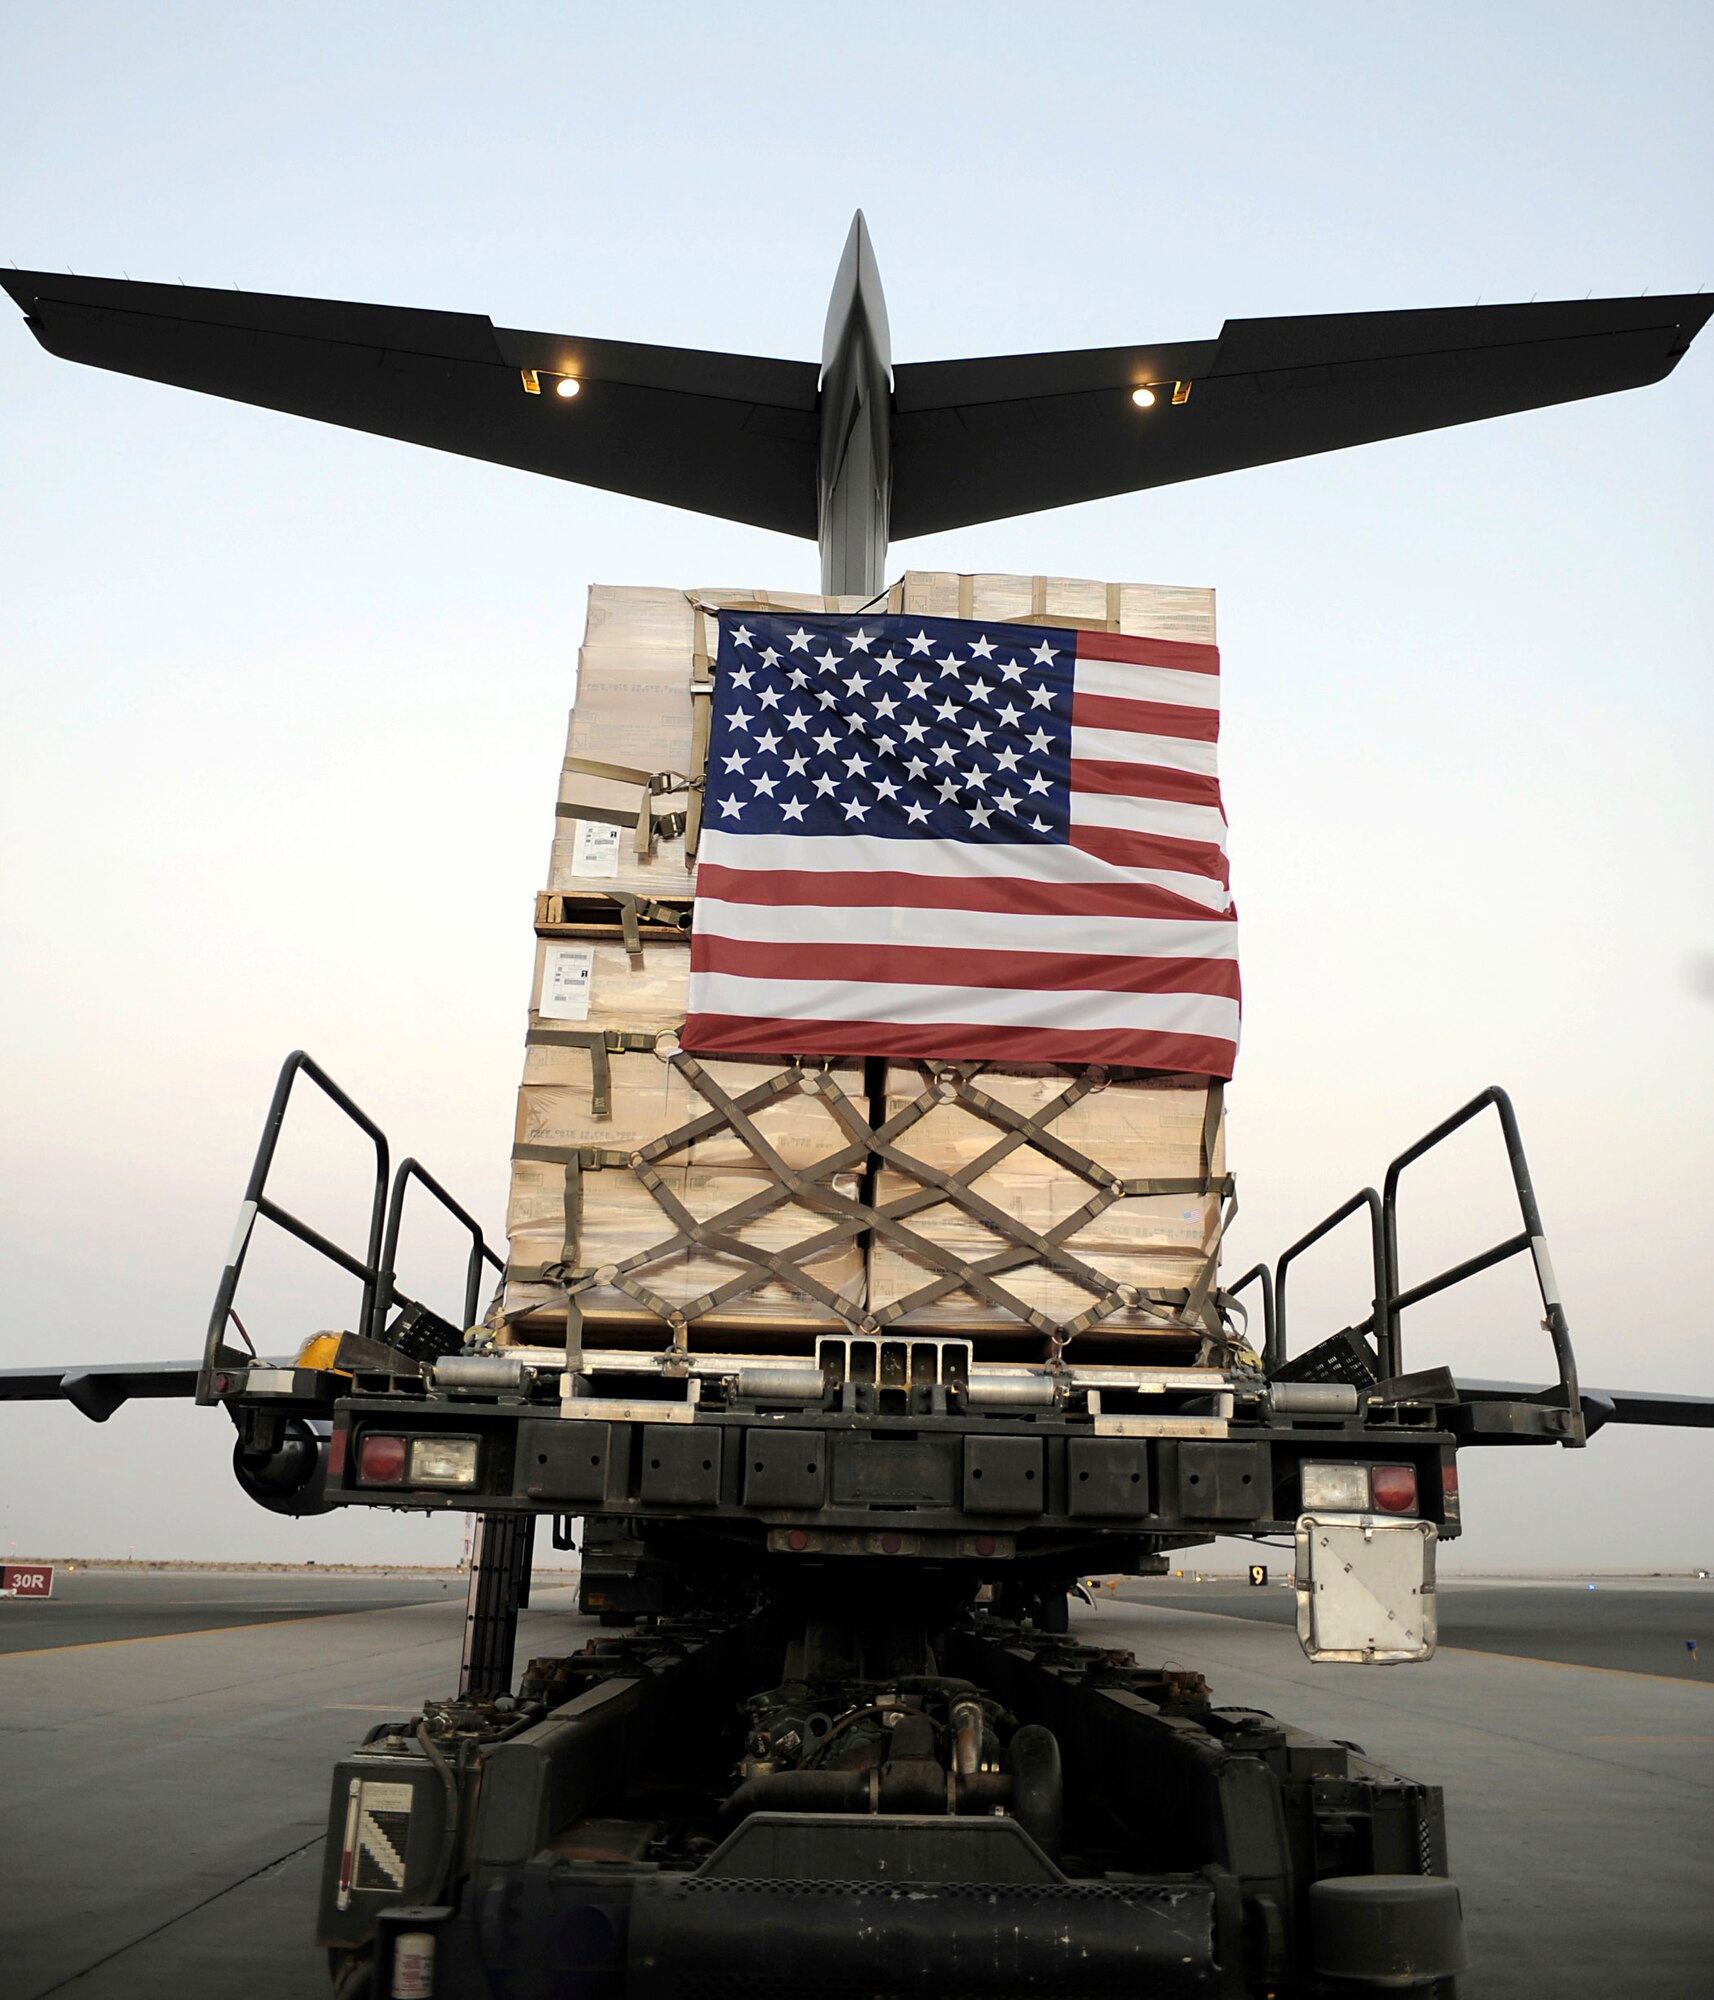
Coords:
pixel 740 436
pixel 984 440
pixel 723 434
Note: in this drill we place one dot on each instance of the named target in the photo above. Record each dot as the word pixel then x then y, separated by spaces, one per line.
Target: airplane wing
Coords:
pixel 1605 1406
pixel 1500 1410
pixel 98 1391
pixel 1650 1406
pixel 979 440
pixel 727 434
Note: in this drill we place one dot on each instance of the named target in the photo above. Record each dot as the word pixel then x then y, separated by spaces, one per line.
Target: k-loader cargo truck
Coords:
pixel 832 1735
pixel 838 1739
pixel 846 1325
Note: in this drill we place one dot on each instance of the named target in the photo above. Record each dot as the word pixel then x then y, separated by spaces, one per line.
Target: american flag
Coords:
pixel 927 837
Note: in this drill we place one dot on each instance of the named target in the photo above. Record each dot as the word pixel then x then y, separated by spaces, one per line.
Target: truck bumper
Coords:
pixel 763 1920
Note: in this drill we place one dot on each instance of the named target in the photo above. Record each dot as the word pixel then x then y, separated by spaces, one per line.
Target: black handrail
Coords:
pixel 1391 1300
pixel 1379 1318
pixel 1260 1273
pixel 374 1269
pixel 1532 1237
pixel 387 1293
pixel 216 1354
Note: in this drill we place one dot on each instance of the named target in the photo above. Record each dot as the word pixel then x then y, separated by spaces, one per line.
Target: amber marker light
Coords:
pixel 567 385
pixel 1143 398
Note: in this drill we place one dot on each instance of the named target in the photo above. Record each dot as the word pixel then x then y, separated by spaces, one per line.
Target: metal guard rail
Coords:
pixel 1386 1341
pixel 387 1293
pixel 374 1269
pixel 1390 1301
pixel 1259 1274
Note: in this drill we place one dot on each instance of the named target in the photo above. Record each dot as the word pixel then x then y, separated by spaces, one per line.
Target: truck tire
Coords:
pixel 1375 1933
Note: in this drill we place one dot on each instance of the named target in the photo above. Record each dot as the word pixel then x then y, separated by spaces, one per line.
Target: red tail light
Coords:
pixel 381 1459
pixel 1394 1489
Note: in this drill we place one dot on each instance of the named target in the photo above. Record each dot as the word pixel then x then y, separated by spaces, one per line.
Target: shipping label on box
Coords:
pixel 567 972
pixel 633 990
pixel 594 848
pixel 663 871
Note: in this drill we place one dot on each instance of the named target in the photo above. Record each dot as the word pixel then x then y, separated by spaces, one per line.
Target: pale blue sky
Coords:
pixel 284 704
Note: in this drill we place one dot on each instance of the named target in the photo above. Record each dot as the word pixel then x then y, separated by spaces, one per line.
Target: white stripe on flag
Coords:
pixel 980 1006
pixel 1170 817
pixel 1127 746
pixel 862 853
pixel 964 930
pixel 1127 682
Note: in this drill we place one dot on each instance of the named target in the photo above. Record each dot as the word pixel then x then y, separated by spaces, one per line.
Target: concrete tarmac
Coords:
pixel 163 1790
pixel 1580 1798
pixel 95 1607
pixel 163 1796
pixel 1658 1625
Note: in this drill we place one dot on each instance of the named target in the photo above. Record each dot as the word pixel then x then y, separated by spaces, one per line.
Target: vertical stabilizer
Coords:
pixel 855 467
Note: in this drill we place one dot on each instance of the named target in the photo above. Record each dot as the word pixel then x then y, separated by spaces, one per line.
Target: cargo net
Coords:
pixel 925 1200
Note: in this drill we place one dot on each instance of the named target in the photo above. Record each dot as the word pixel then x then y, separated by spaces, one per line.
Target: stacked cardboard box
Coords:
pixel 1145 1128
pixel 709 1176
pixel 643 651
pixel 646 653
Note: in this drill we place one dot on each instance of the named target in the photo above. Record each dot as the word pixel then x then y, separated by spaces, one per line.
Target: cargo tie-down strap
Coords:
pixel 650 824
pixel 1196 1308
pixel 601 1043
pixel 635 910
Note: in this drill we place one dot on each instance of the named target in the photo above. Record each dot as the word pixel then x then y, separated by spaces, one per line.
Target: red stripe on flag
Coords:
pixel 1152 850
pixel 947 966
pixel 1145 718
pixel 1144 781
pixel 1184 654
pixel 789 888
pixel 733 1034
